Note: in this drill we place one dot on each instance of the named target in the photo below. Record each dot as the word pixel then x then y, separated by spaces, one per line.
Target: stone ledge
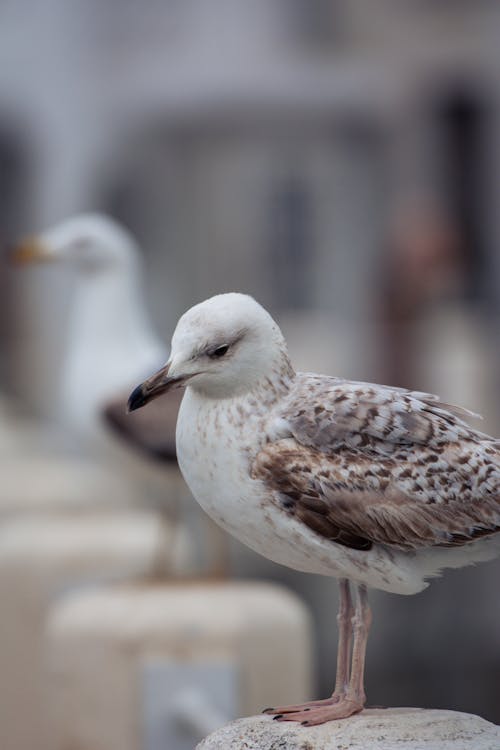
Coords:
pixel 373 729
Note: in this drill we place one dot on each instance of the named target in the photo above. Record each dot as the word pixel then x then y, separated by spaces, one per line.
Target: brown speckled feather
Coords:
pixel 363 464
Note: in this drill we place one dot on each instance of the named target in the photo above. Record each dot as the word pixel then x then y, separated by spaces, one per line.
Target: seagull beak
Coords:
pixel 30 250
pixel 153 387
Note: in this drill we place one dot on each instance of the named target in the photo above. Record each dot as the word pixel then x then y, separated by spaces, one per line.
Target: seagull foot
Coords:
pixel 310 715
pixel 303 706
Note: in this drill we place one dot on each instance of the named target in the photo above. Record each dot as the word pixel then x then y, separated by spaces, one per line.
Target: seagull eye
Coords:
pixel 219 352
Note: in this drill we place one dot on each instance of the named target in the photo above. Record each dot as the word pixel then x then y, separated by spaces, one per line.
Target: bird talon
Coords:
pixel 278 716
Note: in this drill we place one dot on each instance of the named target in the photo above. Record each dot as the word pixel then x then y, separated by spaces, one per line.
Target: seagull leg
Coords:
pixel 354 698
pixel 346 700
pixel 361 625
pixel 344 619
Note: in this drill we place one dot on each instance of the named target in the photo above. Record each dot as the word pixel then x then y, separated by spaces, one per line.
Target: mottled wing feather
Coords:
pixel 365 463
pixel 327 412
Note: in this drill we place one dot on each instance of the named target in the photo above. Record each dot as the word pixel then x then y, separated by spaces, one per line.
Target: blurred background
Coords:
pixel 337 159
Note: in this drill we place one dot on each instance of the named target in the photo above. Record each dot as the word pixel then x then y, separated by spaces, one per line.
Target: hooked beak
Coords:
pixel 154 386
pixel 29 251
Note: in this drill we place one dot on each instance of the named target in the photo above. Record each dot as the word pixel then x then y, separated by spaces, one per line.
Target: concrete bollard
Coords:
pixel 43 557
pixel 150 667
pixel 373 729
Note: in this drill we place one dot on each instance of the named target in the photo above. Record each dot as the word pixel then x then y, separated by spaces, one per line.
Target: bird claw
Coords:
pixel 309 706
pixel 319 714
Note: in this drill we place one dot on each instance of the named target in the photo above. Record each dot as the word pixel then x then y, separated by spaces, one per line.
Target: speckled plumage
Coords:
pixel 371 464
pixel 374 485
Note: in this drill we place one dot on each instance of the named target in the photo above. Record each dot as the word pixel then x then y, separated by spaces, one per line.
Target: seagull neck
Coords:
pixel 108 307
pixel 272 387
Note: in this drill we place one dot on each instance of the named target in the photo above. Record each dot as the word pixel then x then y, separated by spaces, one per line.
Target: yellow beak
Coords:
pixel 28 251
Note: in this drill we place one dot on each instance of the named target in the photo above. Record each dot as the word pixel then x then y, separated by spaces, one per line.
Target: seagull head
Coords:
pixel 223 347
pixel 92 243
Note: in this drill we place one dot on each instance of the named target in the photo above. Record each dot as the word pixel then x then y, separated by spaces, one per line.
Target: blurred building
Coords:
pixel 339 160
pixel 261 146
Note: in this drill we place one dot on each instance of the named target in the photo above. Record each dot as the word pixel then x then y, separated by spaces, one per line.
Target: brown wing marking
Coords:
pixel 356 501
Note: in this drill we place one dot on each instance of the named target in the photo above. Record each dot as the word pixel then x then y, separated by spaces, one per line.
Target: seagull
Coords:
pixel 377 486
pixel 110 340
pixel 111 344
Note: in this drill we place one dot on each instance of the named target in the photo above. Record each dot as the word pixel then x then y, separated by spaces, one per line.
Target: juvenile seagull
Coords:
pixel 374 485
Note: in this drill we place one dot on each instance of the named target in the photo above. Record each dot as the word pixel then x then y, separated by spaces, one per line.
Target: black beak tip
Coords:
pixel 136 399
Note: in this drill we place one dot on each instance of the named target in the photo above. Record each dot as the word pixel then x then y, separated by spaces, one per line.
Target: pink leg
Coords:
pixel 344 619
pixel 361 625
pixel 347 699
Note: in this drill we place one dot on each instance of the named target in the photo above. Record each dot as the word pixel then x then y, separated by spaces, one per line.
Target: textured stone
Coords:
pixel 373 729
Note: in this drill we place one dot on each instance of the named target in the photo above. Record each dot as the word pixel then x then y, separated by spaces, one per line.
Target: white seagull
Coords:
pixel 111 340
pixel 380 487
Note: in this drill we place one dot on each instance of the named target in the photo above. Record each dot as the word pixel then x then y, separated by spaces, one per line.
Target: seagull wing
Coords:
pixel 149 430
pixel 363 464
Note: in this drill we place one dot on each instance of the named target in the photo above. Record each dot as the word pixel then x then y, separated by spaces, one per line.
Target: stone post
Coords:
pixel 373 729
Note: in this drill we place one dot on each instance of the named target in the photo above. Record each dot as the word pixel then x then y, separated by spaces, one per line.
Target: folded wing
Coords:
pixel 364 464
